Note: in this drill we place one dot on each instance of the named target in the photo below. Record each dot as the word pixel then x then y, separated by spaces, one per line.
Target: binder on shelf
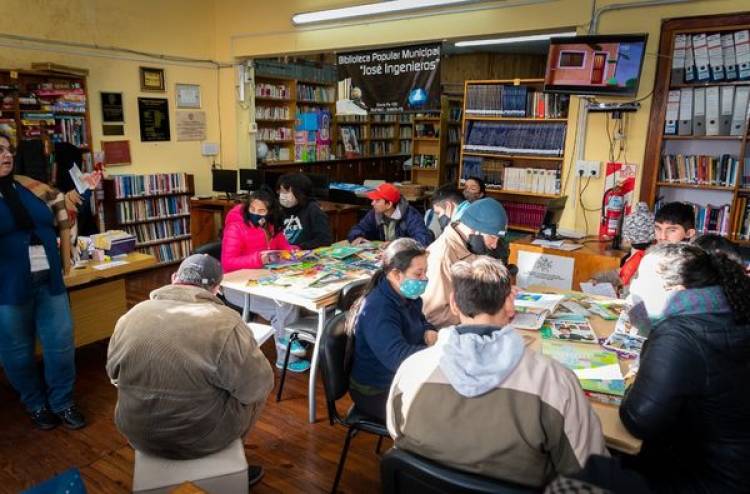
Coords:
pixel 685 124
pixel 713 113
pixel 739 114
pixel 730 60
pixel 699 111
pixel 673 112
pixel 700 52
pixel 678 59
pixel 689 60
pixel 742 52
pixel 725 112
pixel 715 57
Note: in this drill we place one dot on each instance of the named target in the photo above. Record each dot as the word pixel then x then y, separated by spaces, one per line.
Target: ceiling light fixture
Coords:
pixel 370 9
pixel 514 39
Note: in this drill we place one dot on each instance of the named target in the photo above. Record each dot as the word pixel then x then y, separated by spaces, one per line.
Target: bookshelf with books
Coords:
pixel 696 150
pixel 293 117
pixel 436 143
pixel 40 105
pixel 153 208
pixel 514 139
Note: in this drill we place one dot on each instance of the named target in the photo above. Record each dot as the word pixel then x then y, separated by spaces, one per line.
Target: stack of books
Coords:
pixel 699 169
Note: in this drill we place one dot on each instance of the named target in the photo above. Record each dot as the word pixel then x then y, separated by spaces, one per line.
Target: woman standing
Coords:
pixel 689 401
pixel 33 297
pixel 252 231
pixel 388 324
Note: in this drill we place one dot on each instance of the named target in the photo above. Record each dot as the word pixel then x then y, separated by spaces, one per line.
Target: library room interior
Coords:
pixel 434 246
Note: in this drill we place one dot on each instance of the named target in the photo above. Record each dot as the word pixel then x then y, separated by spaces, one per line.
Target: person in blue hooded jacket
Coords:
pixel 388 325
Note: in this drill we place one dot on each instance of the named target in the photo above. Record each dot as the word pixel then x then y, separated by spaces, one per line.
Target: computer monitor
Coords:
pixel 319 185
pixel 552 217
pixel 250 180
pixel 224 181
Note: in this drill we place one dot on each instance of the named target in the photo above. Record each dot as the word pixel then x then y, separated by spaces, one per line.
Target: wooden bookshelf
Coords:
pixel 654 187
pixel 165 236
pixel 443 147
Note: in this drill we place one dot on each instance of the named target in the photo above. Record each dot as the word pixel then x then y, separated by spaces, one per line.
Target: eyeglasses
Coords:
pixel 7 149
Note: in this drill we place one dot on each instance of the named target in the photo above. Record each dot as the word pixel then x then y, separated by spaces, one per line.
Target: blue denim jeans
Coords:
pixel 47 317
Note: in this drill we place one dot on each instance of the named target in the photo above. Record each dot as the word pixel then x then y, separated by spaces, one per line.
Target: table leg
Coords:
pixel 246 309
pixel 314 364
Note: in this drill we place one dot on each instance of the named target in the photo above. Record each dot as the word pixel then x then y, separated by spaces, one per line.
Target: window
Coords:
pixel 571 59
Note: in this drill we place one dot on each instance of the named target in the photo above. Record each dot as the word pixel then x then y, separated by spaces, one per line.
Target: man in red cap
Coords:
pixel 391 217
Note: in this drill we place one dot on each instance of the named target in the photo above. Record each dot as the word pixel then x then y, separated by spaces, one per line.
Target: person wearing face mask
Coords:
pixel 688 402
pixel 474 189
pixel 447 204
pixel 388 325
pixel 305 224
pixel 479 231
pixel 253 230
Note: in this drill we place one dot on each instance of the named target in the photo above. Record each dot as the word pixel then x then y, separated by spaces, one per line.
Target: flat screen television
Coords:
pixel 224 181
pixel 595 65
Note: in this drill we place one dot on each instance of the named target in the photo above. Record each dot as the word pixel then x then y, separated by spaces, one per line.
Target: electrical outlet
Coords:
pixel 253 127
pixel 581 167
pixel 593 169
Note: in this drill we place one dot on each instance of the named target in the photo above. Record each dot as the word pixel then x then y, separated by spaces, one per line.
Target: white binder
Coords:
pixel 678 59
pixel 700 51
pixel 739 113
pixel 725 110
pixel 712 110
pixel 685 124
pixel 699 111
pixel 673 112
pixel 715 57
pixel 730 60
pixel 742 52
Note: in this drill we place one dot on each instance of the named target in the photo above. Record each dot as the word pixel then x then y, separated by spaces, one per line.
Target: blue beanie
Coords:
pixel 486 216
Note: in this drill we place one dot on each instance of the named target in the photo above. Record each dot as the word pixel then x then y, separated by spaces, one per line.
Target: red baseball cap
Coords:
pixel 386 191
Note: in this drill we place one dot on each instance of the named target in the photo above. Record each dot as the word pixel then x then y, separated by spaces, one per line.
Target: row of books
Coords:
pixel 455 113
pixel 426 130
pixel 710 110
pixel 149 209
pixel 279 91
pixel 453 136
pixel 274 134
pixel 425 161
pixel 277 152
pixel 355 131
pixel 382 132
pixel 405 147
pixel 741 229
pixel 170 252
pixel 516 139
pixel 382 148
pixel 703 57
pixel 318 94
pixel 700 170
pixel 72 130
pixel 351 119
pixel 489 170
pixel 405 118
pixel 159 230
pixel 451 155
pixel 147 185
pixel 712 219
pixel 514 101
pixel 272 113
pixel 534 180
pixel 405 132
pixel 520 214
pixel 384 117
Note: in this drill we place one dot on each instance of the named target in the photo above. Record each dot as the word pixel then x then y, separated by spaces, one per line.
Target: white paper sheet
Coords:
pixel 604 289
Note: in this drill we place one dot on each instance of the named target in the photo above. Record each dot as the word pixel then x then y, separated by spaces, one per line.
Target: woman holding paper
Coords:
pixel 689 402
pixel 252 231
pixel 33 297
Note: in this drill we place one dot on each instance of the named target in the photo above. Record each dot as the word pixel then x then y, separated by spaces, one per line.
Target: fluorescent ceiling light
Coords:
pixel 515 39
pixel 368 9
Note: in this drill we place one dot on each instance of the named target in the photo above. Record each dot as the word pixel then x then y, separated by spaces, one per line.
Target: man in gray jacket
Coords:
pixel 190 376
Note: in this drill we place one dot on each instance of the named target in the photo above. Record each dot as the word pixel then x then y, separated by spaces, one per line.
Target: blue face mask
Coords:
pixel 412 289
pixel 257 219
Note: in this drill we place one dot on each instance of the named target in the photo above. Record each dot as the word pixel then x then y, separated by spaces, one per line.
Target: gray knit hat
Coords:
pixel 638 227
pixel 200 270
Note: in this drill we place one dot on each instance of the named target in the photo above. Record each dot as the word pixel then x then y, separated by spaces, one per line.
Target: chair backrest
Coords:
pixel 333 363
pixel 404 472
pixel 350 293
pixel 213 249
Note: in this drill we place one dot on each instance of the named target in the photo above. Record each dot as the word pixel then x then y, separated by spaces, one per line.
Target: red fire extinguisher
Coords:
pixel 613 203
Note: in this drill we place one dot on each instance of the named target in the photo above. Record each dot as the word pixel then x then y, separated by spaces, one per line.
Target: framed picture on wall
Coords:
pixel 152 79
pixel 153 116
pixel 187 96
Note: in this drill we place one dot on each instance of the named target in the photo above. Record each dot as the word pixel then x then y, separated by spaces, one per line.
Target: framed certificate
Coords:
pixel 188 95
pixel 152 79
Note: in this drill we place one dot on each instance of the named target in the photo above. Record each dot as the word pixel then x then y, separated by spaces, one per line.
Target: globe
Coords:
pixel 261 151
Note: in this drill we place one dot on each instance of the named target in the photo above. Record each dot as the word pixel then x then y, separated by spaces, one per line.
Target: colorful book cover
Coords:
pixel 597 370
pixel 569 329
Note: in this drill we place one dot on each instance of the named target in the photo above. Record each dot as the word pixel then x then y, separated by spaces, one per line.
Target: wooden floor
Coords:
pixel 297 456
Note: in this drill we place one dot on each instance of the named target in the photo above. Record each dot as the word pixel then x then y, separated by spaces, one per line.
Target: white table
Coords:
pixel 317 300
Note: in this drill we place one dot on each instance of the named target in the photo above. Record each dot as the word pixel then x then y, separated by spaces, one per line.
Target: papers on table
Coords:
pixel 108 265
pixel 597 370
pixel 557 244
pixel 603 289
pixel 533 308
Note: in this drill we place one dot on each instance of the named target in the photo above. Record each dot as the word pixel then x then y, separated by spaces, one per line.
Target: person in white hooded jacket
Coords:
pixel 481 402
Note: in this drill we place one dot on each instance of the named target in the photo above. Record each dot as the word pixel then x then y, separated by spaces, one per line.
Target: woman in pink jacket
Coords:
pixel 252 230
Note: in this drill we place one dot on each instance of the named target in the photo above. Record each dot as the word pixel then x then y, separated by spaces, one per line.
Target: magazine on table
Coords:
pixel 533 308
pixel 575 328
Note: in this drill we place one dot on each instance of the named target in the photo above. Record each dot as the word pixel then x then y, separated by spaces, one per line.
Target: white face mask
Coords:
pixel 287 199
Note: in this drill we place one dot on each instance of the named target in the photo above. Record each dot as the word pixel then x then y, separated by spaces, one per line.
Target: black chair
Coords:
pixel 213 249
pixel 404 472
pixel 335 367
pixel 304 329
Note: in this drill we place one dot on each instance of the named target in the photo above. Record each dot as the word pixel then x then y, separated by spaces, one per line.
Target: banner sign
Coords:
pixel 394 79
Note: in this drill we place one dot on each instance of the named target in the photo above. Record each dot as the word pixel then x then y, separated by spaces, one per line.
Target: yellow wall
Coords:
pixel 173 27
pixel 266 29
